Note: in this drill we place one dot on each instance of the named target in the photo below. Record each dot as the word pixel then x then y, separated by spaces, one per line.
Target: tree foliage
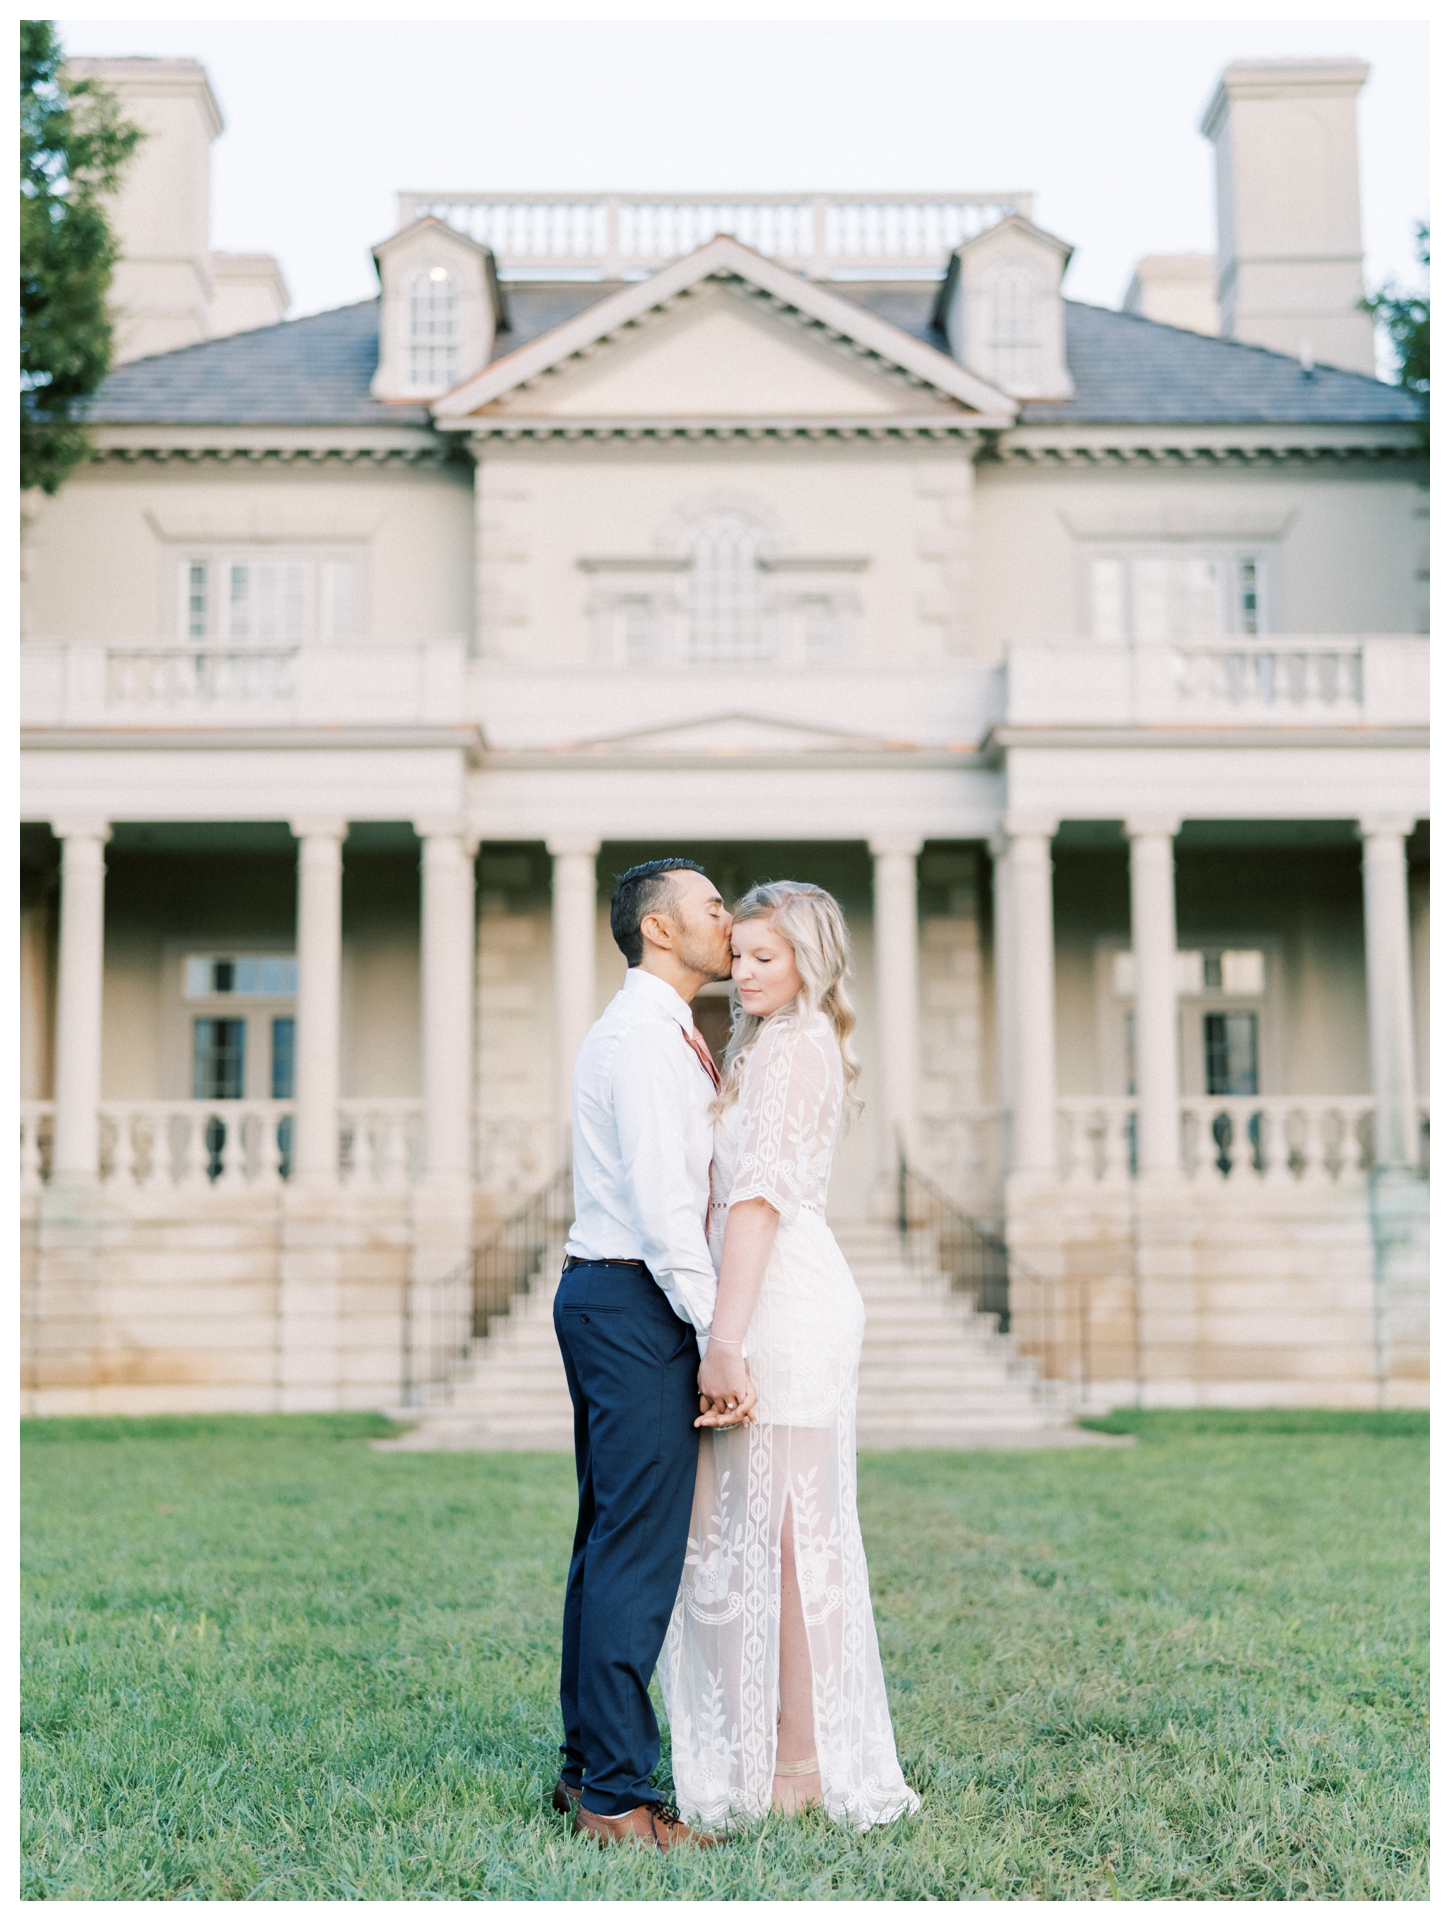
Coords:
pixel 1405 317
pixel 74 146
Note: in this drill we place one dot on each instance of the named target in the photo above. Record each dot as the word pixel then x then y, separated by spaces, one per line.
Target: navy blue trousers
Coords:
pixel 631 1363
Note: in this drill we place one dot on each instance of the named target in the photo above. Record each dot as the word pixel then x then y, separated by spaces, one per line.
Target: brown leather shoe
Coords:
pixel 653 1826
pixel 566 1799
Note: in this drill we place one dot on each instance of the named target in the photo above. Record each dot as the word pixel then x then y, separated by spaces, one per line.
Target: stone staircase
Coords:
pixel 933 1372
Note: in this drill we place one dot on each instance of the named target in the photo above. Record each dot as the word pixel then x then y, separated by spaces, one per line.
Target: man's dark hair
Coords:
pixel 643 890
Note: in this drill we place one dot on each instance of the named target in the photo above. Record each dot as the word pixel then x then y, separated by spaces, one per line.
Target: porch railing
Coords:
pixel 227 1146
pixel 1233 1141
pixel 446 1316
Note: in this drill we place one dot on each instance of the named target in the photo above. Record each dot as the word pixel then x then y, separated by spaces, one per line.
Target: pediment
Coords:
pixel 726 333
pixel 735 736
pixel 719 353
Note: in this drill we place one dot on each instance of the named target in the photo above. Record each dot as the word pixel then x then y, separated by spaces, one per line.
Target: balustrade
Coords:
pixel 93 683
pixel 37 1120
pixel 1234 1141
pixel 618 235
pixel 198 677
pixel 380 1143
pixel 1290 680
pixel 150 1146
pixel 1280 675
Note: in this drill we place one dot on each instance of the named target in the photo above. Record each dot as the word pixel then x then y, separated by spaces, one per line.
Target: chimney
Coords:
pixel 163 284
pixel 1177 288
pixel 169 289
pixel 1290 261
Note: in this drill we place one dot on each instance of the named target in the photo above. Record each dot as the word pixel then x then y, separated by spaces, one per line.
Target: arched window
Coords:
pixel 727 602
pixel 432 329
pixel 1016 347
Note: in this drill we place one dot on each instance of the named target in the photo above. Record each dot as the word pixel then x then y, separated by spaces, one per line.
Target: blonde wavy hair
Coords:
pixel 811 920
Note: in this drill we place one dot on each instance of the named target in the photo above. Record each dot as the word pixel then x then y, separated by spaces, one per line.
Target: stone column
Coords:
pixel 1003 996
pixel 1390 991
pixel 1155 994
pixel 1034 1112
pixel 897 989
pixel 78 998
pixel 574 909
pixel 319 999
pixel 446 971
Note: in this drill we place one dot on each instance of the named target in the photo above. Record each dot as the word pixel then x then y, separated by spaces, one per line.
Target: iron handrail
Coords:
pixel 1048 1318
pixel 445 1317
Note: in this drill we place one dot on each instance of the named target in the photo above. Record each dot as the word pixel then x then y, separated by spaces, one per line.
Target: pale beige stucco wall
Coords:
pixel 412 529
pixel 1345 545
pixel 904 510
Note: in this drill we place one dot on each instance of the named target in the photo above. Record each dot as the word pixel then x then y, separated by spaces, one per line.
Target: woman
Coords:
pixel 771 1676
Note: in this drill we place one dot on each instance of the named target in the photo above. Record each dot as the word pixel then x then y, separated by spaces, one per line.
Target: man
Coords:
pixel 633 1315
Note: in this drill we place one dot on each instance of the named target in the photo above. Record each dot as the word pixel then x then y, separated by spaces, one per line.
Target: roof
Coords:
pixel 1125 369
pixel 1128 369
pixel 302 373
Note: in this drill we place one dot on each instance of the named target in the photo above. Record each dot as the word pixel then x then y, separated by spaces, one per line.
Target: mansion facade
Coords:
pixel 1082 654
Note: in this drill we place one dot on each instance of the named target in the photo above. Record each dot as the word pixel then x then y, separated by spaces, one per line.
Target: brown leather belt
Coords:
pixel 574 1260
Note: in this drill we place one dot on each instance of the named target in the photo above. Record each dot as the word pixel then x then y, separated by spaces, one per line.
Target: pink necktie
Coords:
pixel 696 1040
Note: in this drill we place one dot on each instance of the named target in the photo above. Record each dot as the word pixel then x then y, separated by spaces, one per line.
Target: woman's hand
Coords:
pixel 727 1395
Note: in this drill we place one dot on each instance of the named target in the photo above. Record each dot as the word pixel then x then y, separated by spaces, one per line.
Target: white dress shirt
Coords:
pixel 642 1141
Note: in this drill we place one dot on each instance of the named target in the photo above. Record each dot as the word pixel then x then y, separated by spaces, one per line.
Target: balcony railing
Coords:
pixel 615 236
pixel 1281 680
pixel 224 684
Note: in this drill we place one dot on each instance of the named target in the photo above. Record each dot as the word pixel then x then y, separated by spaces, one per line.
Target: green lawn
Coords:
pixel 263 1660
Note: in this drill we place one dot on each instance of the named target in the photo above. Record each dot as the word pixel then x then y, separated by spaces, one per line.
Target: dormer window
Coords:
pixel 432 330
pixel 1016 350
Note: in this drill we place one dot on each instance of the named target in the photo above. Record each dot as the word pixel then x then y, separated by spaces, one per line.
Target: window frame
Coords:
pixel 1231 556
pixel 320 625
pixel 446 340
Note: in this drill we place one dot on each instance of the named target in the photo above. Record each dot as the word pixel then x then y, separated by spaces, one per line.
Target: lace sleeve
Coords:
pixel 790 1107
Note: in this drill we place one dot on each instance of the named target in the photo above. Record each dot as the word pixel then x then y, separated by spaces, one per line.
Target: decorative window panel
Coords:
pixel 1175 594
pixel 269 598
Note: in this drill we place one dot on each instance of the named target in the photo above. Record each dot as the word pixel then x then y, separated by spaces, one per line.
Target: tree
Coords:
pixel 74 146
pixel 1406 319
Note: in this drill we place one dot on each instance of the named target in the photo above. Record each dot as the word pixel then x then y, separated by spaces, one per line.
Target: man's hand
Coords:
pixel 727 1396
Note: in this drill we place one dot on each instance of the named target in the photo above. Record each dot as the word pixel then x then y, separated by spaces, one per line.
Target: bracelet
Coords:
pixel 724 1343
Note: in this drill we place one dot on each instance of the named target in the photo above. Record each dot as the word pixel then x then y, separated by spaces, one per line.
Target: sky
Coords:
pixel 327 120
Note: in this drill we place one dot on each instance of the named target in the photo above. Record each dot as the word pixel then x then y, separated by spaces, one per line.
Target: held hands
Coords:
pixel 727 1397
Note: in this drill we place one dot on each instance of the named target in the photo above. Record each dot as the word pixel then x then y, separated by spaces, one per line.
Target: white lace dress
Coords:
pixel 720 1667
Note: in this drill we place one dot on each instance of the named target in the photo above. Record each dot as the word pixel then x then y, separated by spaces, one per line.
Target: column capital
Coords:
pixel 318 827
pixel 1139 826
pixel 885 845
pixel 565 844
pixel 1385 827
pixel 81 827
pixel 430 827
pixel 1017 826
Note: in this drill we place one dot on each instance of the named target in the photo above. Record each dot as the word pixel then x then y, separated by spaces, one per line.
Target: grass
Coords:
pixel 262 1660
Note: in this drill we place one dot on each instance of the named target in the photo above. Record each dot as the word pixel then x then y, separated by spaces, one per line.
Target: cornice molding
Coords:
pixel 468 739
pixel 224 452
pixel 510 429
pixel 1154 737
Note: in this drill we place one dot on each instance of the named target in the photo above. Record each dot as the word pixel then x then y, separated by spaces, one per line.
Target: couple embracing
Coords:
pixel 711 1333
